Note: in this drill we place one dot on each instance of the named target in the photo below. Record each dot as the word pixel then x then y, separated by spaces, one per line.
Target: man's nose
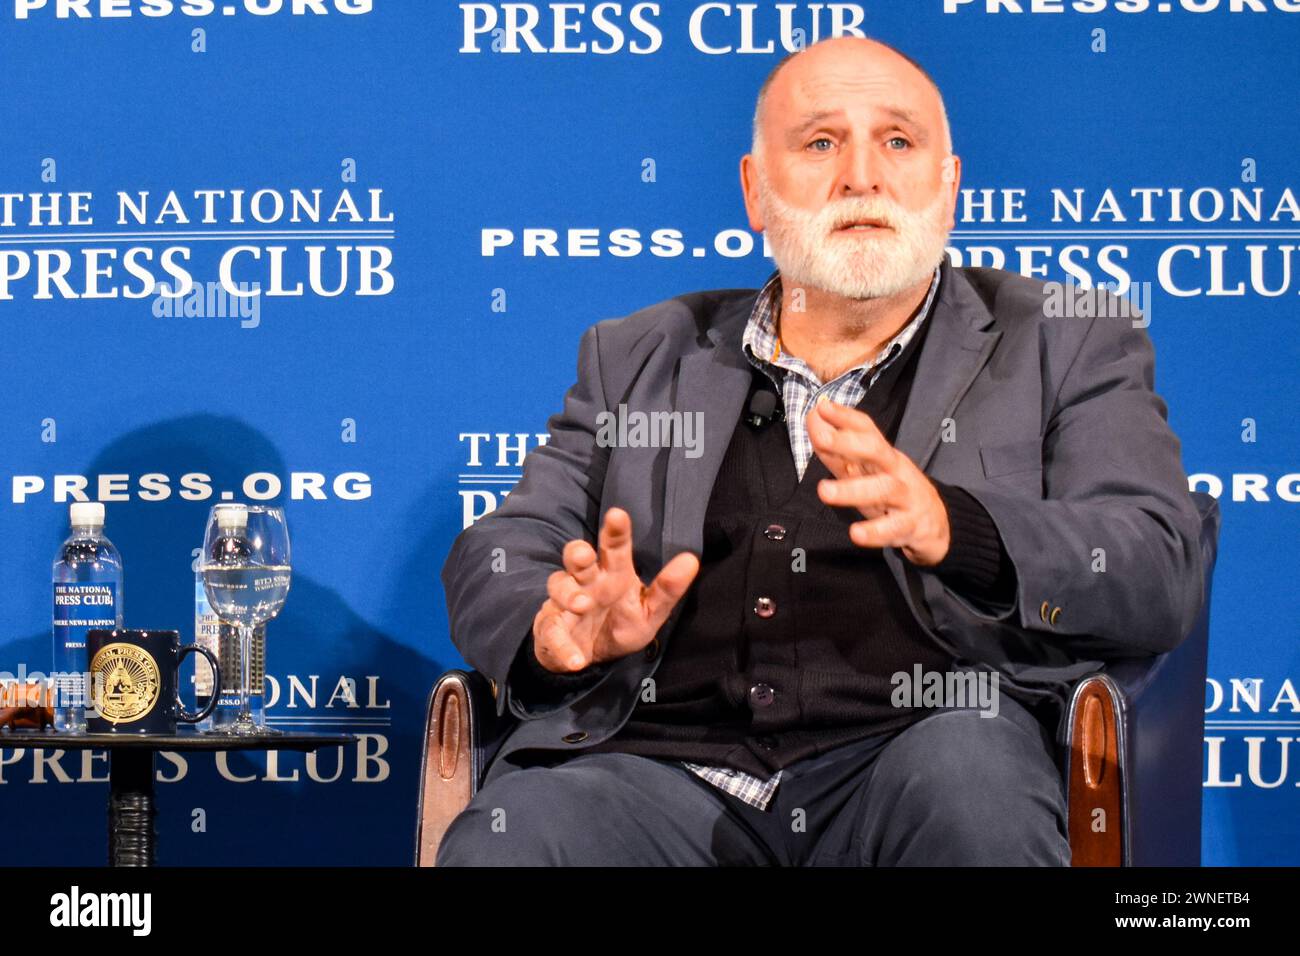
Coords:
pixel 859 172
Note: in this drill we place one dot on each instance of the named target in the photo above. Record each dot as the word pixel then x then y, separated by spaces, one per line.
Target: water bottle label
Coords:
pixel 77 609
pixel 207 634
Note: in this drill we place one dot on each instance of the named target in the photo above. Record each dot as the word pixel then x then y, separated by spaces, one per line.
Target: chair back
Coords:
pixel 1162 732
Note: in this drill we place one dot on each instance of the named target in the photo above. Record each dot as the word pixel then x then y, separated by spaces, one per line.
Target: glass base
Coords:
pixel 244 728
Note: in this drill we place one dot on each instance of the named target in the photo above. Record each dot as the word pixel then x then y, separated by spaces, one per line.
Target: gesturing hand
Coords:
pixel 901 504
pixel 598 609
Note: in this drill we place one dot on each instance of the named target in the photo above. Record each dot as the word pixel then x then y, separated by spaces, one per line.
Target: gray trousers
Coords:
pixel 953 789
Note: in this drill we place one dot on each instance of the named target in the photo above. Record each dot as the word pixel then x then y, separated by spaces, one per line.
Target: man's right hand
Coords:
pixel 598 610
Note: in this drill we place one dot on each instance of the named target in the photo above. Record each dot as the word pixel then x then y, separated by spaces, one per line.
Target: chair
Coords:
pixel 1132 762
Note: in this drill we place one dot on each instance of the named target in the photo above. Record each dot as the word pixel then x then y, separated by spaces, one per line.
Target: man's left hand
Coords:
pixel 902 507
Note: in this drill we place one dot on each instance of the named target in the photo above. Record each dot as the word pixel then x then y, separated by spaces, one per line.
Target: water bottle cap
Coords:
pixel 87 513
pixel 232 516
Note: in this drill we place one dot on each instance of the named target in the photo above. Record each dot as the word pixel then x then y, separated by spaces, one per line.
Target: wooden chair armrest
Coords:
pixel 449 768
pixel 1094 774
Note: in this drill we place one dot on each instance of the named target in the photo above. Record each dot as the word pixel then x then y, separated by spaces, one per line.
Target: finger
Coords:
pixel 871 494
pixel 616 542
pixel 852 445
pixel 579 559
pixel 555 646
pixel 670 584
pixel 846 416
pixel 887 531
pixel 568 594
pixel 821 435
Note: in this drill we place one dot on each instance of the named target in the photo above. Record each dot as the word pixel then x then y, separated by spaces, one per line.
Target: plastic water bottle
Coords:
pixel 231 546
pixel 207 634
pixel 87 594
pixel 227 709
pixel 223 641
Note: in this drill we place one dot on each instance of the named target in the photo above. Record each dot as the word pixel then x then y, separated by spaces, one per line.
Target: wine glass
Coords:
pixel 246 571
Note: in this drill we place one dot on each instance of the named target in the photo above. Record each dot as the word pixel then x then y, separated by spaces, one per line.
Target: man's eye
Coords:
pixel 819 139
pixel 900 139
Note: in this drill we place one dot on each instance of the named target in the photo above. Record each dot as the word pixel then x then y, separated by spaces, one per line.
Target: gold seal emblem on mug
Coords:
pixel 127 680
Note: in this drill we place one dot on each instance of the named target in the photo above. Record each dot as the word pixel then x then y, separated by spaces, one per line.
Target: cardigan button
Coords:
pixel 767 743
pixel 577 737
pixel 761 695
pixel 652 649
pixel 774 532
pixel 765 607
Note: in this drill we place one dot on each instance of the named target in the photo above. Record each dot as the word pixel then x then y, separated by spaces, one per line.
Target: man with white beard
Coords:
pixel 905 470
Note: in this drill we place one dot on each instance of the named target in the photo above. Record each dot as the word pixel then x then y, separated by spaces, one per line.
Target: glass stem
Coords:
pixel 245 682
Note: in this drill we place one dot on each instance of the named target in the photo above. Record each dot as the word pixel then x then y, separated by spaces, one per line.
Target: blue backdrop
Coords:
pixel 413 336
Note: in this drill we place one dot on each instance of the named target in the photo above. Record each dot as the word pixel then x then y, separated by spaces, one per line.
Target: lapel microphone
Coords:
pixel 762 409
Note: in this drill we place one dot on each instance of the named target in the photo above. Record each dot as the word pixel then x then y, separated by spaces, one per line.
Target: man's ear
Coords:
pixel 952 179
pixel 749 190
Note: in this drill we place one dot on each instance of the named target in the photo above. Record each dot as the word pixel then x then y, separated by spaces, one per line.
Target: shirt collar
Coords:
pixel 762 347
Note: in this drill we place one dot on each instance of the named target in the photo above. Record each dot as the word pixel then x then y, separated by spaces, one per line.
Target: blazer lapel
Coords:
pixel 954 352
pixel 714 380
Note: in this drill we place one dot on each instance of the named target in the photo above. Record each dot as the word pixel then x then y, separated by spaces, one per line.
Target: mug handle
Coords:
pixel 185 716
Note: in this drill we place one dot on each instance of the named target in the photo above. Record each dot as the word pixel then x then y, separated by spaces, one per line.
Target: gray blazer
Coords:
pixel 1052 423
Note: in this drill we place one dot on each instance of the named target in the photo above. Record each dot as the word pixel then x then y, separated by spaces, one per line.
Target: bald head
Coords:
pixel 839 54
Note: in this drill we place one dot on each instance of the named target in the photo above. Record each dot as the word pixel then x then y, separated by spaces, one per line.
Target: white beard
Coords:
pixel 873 265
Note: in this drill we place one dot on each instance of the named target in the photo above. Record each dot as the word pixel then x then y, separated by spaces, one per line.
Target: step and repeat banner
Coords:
pixel 338 255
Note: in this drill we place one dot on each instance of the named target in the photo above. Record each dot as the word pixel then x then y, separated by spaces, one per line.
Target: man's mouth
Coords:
pixel 862 225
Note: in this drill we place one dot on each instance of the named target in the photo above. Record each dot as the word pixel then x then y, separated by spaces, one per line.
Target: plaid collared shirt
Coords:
pixel 800 390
